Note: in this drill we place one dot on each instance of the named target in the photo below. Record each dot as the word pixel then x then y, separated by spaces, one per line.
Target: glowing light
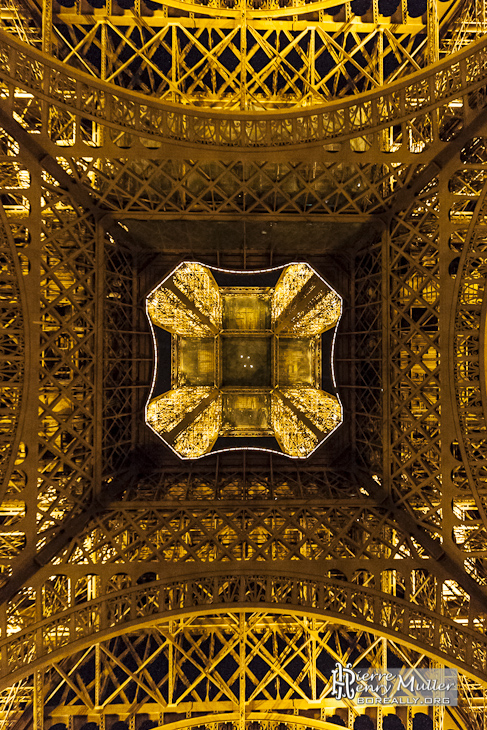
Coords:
pixel 293 436
pixel 292 280
pixel 165 412
pixel 199 438
pixel 323 409
pixel 200 407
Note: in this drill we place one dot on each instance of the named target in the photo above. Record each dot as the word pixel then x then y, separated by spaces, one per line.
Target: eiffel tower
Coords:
pixel 140 589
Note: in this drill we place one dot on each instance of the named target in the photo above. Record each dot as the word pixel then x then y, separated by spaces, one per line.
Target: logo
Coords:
pixel 391 686
pixel 344 682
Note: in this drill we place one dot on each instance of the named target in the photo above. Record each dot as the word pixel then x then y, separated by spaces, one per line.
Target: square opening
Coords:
pixel 246 361
pixel 196 361
pixel 247 412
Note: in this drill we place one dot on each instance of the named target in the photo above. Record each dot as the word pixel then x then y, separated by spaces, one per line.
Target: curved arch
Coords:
pixel 350 605
pixel 469 324
pixel 294 7
pixel 13 350
pixel 352 117
pixel 291 721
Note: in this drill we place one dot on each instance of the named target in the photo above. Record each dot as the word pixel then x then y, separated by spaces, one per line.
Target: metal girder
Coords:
pixel 318 54
pixel 446 566
pixel 258 636
pixel 29 565
pixel 438 163
pixel 37 154
pixel 412 361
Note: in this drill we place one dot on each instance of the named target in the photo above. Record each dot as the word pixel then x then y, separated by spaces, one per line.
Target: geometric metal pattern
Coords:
pixel 288 54
pixel 136 587
pixel 245 361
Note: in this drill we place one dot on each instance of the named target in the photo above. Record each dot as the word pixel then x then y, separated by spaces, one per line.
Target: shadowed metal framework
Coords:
pixel 220 593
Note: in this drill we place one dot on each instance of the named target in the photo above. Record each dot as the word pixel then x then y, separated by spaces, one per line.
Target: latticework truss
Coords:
pixel 139 588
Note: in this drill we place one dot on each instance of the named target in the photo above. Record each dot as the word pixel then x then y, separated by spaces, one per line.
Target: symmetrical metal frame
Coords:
pixel 136 586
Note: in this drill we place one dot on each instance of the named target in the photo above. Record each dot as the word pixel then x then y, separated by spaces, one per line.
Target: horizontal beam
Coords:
pixel 27 567
pixel 259 23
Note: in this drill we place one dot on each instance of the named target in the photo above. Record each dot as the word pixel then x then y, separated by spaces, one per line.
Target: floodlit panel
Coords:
pixel 246 361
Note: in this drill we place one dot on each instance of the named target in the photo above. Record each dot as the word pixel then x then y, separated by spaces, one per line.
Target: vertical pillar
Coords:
pixel 386 375
pixel 404 11
pixel 99 348
pixel 375 11
pixel 46 26
pixel 174 61
pixel 104 42
pixel 433 30
pixel 350 718
pixel 97 675
pixel 313 660
pixel 380 57
pixel 242 657
pixel 170 658
pixel 33 370
pixel 243 54
pixel 438 716
pixel 383 666
pixel 38 719
pixel 99 129
pixel 311 62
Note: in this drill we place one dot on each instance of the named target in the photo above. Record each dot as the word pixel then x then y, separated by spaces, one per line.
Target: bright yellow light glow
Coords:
pixel 198 284
pixel 246 361
pixel 167 411
pixel 200 436
pixel 293 436
pixel 324 314
pixel 323 409
pixel 292 280
pixel 167 311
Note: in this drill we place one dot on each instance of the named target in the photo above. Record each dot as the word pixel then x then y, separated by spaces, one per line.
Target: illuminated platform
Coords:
pixel 244 365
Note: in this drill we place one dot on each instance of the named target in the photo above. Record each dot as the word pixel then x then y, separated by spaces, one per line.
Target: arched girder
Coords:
pixel 348 604
pixel 319 52
pixel 217 664
pixel 297 721
pixel 15 314
pixel 85 113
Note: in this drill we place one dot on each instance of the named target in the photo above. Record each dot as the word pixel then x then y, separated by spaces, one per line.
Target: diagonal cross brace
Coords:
pixel 74 188
pixel 29 565
pixel 447 566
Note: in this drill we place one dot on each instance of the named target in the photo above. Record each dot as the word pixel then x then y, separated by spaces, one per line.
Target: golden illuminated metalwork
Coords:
pixel 163 51
pixel 323 313
pixel 165 412
pixel 292 280
pixel 300 415
pixel 323 409
pixel 303 304
pixel 244 361
pixel 198 284
pixel 188 417
pixel 200 436
pixel 295 438
pixel 167 311
pixel 188 302
pixel 135 586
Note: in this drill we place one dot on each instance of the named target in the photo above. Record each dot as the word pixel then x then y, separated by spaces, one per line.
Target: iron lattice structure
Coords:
pixel 242 135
